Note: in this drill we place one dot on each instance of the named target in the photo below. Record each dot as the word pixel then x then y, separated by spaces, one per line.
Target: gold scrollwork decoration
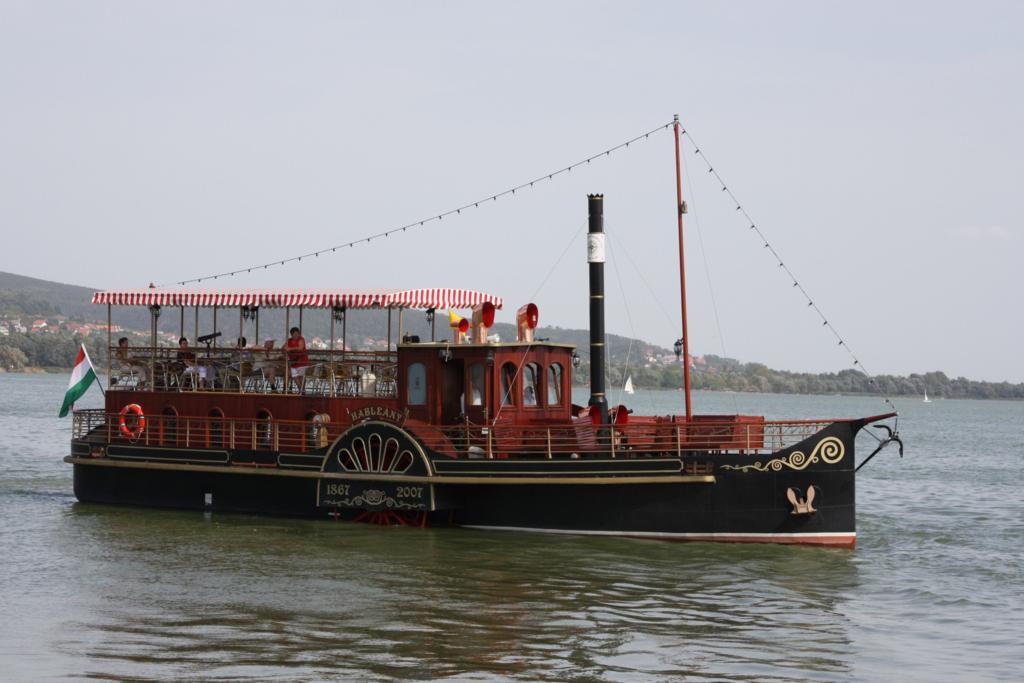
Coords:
pixel 829 450
pixel 375 498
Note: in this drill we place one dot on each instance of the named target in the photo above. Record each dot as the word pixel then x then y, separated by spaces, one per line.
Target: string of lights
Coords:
pixel 782 265
pixel 431 219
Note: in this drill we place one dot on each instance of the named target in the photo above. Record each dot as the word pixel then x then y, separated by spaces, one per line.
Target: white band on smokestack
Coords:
pixel 595 247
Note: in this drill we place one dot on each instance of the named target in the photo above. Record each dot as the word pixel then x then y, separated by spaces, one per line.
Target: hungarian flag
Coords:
pixel 82 376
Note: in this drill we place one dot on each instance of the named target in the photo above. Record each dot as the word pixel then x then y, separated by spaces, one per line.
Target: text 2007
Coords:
pixel 410 492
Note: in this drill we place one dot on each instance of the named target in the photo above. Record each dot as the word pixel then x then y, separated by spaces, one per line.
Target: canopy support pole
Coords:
pixel 331 313
pixel 154 315
pixel 110 361
pixel 287 335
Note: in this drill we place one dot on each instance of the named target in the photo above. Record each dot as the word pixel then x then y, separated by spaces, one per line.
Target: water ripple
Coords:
pixel 933 591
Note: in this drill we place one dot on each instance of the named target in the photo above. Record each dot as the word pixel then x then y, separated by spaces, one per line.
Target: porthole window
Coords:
pixel 169 426
pixel 264 429
pixel 215 429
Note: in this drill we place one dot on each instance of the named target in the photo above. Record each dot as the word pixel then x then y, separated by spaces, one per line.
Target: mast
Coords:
pixel 680 210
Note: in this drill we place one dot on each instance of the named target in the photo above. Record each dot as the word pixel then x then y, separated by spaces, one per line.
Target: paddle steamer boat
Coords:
pixel 462 431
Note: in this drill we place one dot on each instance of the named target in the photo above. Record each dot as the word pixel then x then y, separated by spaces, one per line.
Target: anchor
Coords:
pixel 892 437
pixel 800 505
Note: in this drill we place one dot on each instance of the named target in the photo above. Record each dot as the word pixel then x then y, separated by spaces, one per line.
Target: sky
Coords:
pixel 878 146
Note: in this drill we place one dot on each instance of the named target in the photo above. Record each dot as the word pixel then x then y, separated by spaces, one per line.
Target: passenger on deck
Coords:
pixel 240 364
pixel 191 366
pixel 298 359
pixel 128 365
pixel 268 360
pixel 244 353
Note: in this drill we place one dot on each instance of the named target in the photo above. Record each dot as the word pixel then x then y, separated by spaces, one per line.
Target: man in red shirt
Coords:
pixel 298 359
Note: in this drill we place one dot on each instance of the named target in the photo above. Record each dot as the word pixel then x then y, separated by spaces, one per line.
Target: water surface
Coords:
pixel 933 591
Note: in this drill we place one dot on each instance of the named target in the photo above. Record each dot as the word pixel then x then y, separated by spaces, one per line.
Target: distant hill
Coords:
pixel 20 291
pixel 21 295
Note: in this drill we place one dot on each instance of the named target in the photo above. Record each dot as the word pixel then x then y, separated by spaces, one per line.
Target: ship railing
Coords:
pixel 667 438
pixel 325 373
pixel 85 421
pixel 664 438
pixel 213 431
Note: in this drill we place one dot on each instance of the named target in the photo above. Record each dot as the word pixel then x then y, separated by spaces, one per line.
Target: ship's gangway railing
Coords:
pixel 664 437
pixel 255 370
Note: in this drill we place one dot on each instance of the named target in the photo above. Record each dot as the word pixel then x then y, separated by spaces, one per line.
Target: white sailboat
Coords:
pixel 628 388
pixel 926 399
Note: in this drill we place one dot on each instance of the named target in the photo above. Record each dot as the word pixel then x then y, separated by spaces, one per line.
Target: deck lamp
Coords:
pixel 249 312
pixel 576 360
pixel 339 313
pixel 678 346
pixel 430 316
pixel 155 310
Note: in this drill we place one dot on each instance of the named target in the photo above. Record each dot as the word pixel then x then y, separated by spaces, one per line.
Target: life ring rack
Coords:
pixel 140 422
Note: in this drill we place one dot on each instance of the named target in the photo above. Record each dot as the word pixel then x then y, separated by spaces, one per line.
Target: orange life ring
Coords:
pixel 140 423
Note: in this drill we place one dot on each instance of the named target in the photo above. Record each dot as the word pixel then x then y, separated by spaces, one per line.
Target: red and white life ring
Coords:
pixel 140 422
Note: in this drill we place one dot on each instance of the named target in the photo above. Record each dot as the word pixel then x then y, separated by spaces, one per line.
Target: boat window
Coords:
pixel 554 384
pixel 416 386
pixel 476 384
pixel 508 381
pixel 169 426
pixel 316 432
pixel 265 428
pixel 531 385
pixel 215 429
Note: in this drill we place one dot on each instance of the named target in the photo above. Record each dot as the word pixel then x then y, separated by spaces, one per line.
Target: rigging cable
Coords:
pixel 796 283
pixel 632 331
pixel 707 273
pixel 526 352
pixel 437 217
pixel 621 246
pixel 621 387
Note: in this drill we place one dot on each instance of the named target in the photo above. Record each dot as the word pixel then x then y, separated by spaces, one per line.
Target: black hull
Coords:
pixel 723 497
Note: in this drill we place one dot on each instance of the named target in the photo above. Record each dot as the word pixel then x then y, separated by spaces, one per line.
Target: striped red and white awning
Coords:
pixel 309 298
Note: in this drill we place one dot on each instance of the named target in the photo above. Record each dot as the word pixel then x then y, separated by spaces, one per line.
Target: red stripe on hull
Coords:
pixel 837 541
pixel 832 540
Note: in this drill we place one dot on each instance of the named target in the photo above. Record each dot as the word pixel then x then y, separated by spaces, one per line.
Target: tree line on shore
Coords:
pixel 726 374
pixel 57 351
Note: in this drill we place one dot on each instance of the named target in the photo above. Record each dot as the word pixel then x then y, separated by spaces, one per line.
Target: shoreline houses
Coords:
pixel 54 325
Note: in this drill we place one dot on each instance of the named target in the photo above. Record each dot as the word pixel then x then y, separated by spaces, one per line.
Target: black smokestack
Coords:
pixel 595 257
